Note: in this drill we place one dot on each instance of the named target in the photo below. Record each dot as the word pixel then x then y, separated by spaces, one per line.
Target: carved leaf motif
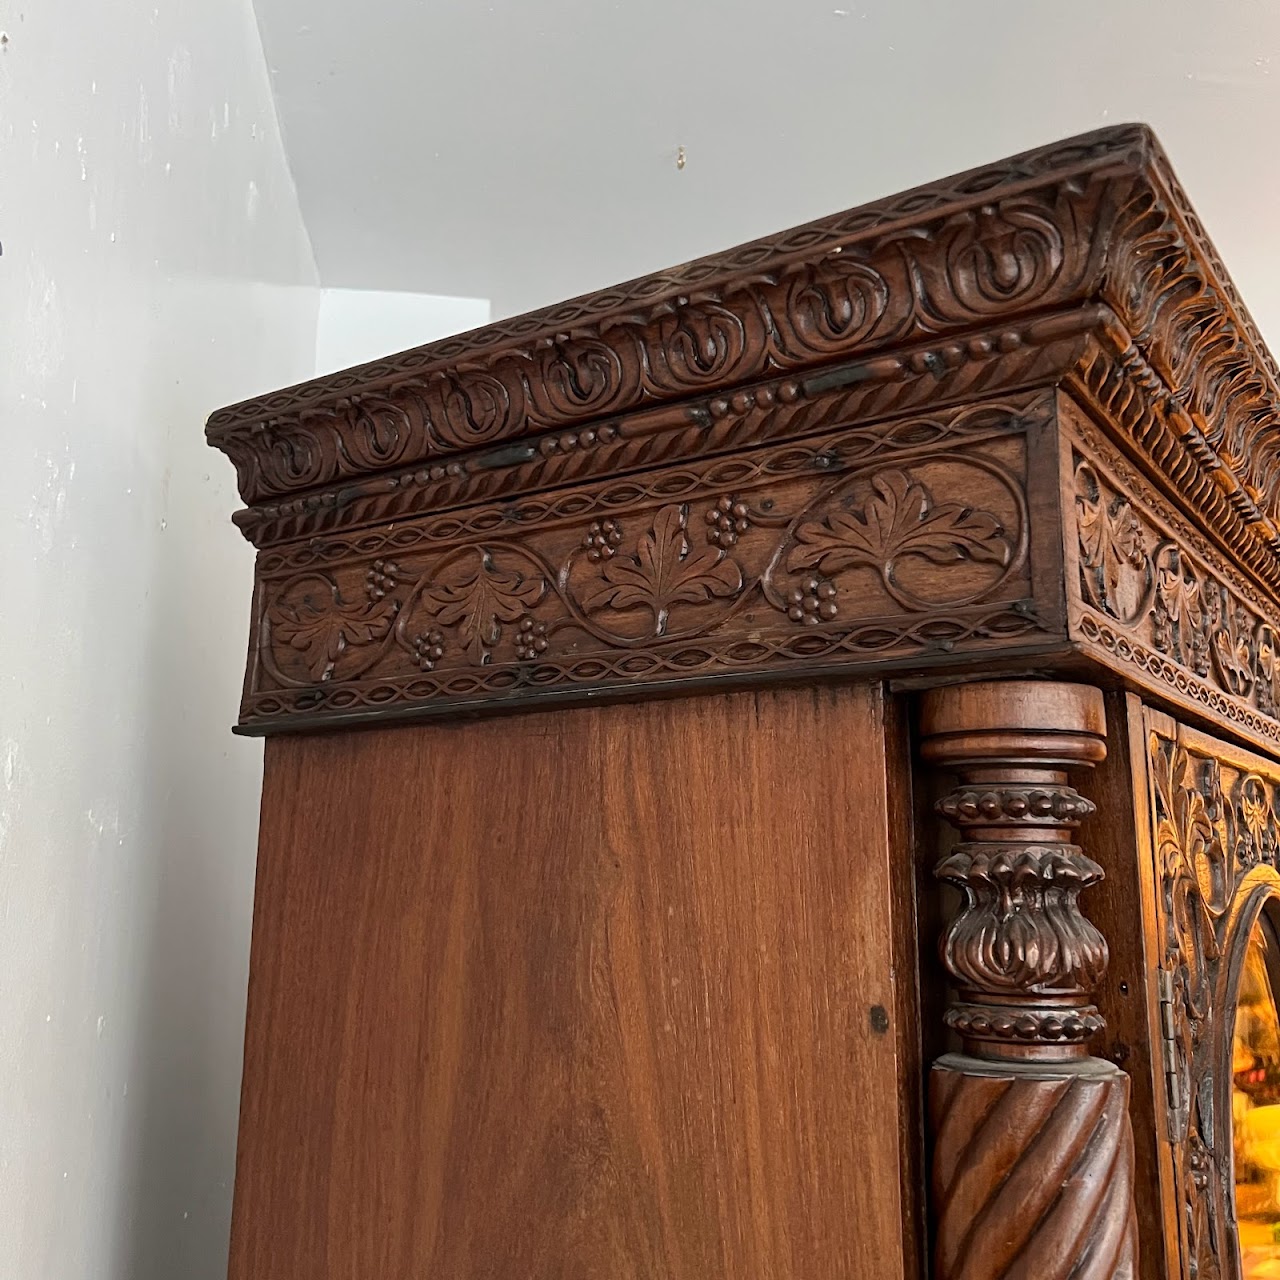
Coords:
pixel 481 602
pixel 1185 835
pixel 1255 816
pixel 1190 859
pixel 1021 928
pixel 1268 685
pixel 1008 251
pixel 900 518
pixel 1216 825
pixel 838 303
pixel 1110 539
pixel 1233 654
pixel 1177 604
pixel 1180 596
pixel 664 571
pixel 322 631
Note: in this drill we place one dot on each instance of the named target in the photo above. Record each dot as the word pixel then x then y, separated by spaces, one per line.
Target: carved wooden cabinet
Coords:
pixel 652 681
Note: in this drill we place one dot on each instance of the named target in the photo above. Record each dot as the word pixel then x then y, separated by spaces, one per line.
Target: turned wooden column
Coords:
pixel 1033 1153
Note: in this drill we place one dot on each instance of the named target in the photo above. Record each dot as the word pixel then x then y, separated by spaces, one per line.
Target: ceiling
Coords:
pixel 526 150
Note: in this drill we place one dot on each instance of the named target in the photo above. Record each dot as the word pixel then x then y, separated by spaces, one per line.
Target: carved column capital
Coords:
pixel 1024 1107
pixel 1023 956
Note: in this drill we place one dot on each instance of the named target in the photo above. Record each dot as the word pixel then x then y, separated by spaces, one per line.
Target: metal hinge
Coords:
pixel 1177 1104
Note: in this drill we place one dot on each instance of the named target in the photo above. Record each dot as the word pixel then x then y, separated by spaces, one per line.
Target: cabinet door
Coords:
pixel 1208 818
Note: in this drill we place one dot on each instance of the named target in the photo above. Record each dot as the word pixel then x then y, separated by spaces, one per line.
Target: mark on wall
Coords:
pixel 9 774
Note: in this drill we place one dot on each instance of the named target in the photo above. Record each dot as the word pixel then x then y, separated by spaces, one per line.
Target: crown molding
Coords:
pixel 861 344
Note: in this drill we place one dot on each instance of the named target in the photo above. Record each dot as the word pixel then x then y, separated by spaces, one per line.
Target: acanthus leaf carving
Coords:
pixel 1112 544
pixel 1178 610
pixel 1021 929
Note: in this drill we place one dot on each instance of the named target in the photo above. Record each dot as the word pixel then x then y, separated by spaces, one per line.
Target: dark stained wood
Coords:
pixel 1111 838
pixel 596 994
pixel 650 992
pixel 1033 1153
pixel 1210 867
pixel 825 452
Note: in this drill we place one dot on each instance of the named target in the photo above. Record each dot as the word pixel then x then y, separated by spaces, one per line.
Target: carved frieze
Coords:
pixel 1153 597
pixel 576 499
pixel 1094 225
pixel 869 546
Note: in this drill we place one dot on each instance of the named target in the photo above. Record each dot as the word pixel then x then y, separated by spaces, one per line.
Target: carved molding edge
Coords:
pixel 1033 1150
pixel 1215 842
pixel 1152 597
pixel 1095 220
pixel 833 552
pixel 982 246
pixel 870 394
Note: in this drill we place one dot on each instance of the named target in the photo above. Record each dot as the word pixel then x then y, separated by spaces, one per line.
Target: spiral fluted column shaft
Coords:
pixel 1033 1151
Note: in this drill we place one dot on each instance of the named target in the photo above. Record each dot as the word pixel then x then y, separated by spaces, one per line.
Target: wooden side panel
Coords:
pixel 1115 836
pixel 600 994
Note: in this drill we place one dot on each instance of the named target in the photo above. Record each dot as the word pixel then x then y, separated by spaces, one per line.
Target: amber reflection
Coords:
pixel 1255 1106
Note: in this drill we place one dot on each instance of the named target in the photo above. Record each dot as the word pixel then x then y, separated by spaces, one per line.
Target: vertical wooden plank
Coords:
pixel 1166 1218
pixel 603 993
pixel 1118 837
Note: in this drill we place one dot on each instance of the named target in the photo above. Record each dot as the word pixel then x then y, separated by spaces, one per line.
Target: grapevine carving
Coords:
pixel 1096 228
pixel 479 599
pixel 321 626
pixel 664 572
pixel 830 549
pixel 900 519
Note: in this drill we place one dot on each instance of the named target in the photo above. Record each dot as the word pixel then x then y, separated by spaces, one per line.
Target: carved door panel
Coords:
pixel 1209 813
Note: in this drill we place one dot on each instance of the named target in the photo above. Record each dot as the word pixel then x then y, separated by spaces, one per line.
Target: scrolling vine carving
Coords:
pixel 1096 228
pixel 1215 813
pixel 1156 595
pixel 863 554
pixel 1079 265
pixel 664 572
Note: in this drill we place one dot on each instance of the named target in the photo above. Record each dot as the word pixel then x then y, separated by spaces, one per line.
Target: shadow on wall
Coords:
pixel 200 825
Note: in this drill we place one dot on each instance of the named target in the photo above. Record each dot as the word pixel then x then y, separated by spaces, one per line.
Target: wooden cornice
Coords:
pixel 1078 266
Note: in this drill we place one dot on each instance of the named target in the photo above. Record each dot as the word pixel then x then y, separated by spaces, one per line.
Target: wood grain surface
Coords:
pixel 590 994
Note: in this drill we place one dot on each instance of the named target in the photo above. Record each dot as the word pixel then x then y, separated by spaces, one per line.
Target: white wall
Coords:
pixel 143 192
pixel 560 175
pixel 356 325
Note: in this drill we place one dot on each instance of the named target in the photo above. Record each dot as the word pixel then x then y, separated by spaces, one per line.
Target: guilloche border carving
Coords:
pixel 877 390
pixel 878 332
pixel 846 548
pixel 988 244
